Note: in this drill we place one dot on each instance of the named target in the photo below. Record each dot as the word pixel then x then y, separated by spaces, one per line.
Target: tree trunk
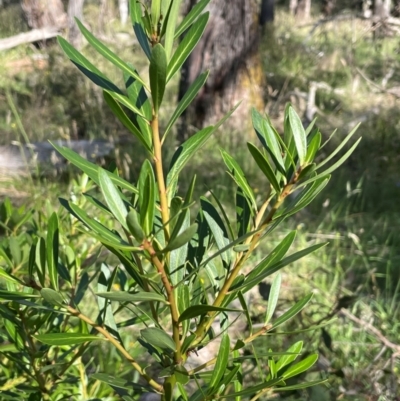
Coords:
pixel 300 8
pixel 44 13
pixel 123 11
pixel 75 10
pixel 381 14
pixel 229 49
pixel 267 11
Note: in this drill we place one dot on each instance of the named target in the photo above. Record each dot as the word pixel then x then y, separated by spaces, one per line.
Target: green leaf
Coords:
pixel 273 297
pixel 187 45
pixel 265 167
pixel 301 386
pixel 8 277
pixel 188 149
pixel 313 148
pixel 155 13
pixel 120 114
pixel 173 14
pixel 138 96
pixel 275 256
pixel 332 168
pixel 181 239
pixel 221 363
pixel 300 367
pixel 14 295
pixel 98 230
pixel 291 355
pixel 107 53
pixel 293 311
pixel 340 147
pixel 52 250
pixel 132 220
pixel 91 169
pixel 136 18
pixel 40 260
pixel 198 310
pixel 250 282
pixel 60 339
pixel 86 67
pixel 254 389
pixel 269 138
pixel 299 135
pixel 238 176
pixel 122 296
pixel 112 197
pixel 158 338
pixel 147 194
pixel 52 297
pixel 158 75
pixel 191 17
pixel 118 382
pixel 186 100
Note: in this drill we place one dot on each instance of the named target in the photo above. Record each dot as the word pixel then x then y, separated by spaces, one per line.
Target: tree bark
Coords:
pixel 75 10
pixel 229 49
pixel 35 35
pixel 301 8
pixel 44 13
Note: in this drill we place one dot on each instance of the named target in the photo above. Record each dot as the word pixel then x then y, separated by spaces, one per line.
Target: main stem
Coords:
pixel 160 175
pixel 165 220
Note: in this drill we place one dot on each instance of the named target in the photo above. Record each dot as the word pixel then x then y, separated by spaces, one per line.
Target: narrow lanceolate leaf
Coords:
pixel 112 197
pixel 126 121
pixel 292 354
pixel 121 296
pixel 187 45
pixel 91 169
pixel 173 13
pixel 198 310
pixel 269 138
pixel 158 75
pixel 265 167
pixel 134 227
pixel 293 311
pixel 187 99
pixel 158 338
pixel 238 176
pixel 222 362
pixel 273 297
pixel 107 53
pixel 14 295
pixel 52 297
pixel 155 13
pixel 183 154
pixel 60 339
pixel 101 232
pixel 313 148
pixel 52 250
pixel 40 260
pixel 138 96
pixel 334 166
pixel 301 386
pixel 147 197
pixel 340 147
pixel 8 277
pixel 191 17
pixel 136 17
pixel 300 367
pixel 299 135
pixel 181 239
pixel 86 67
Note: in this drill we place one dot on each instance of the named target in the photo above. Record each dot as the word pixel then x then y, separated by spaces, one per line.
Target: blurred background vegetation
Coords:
pixel 337 62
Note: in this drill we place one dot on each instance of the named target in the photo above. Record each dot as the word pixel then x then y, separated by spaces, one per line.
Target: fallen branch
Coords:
pixel 32 36
pixel 373 330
